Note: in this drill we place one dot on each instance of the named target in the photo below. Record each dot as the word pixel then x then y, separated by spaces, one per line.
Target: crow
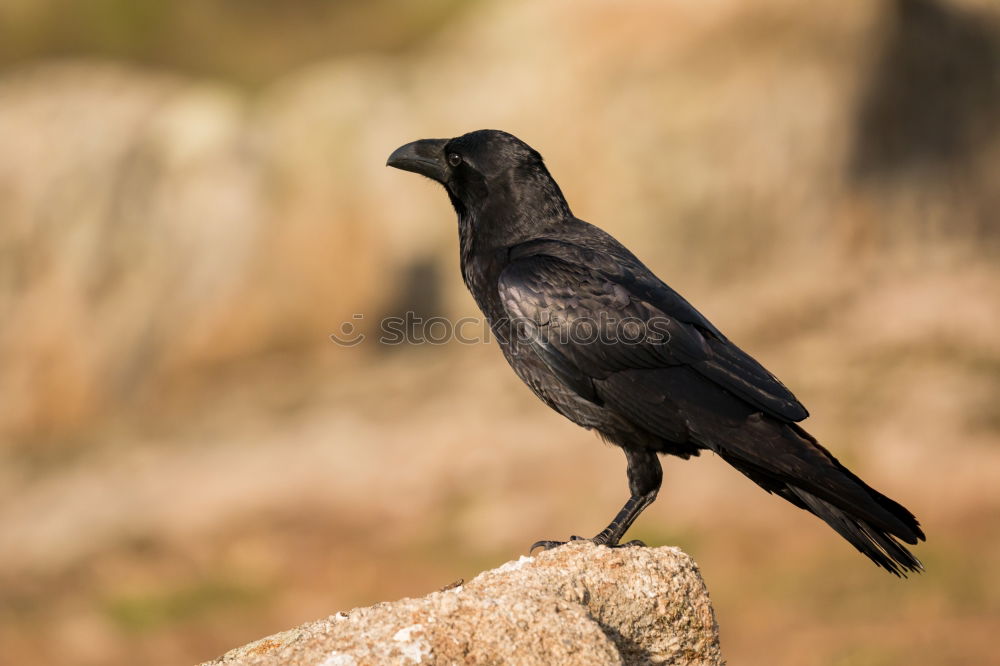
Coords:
pixel 604 342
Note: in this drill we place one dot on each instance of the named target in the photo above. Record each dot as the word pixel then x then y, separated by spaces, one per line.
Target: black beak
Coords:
pixel 425 157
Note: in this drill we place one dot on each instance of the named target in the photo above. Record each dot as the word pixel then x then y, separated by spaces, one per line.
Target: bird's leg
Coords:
pixel 644 478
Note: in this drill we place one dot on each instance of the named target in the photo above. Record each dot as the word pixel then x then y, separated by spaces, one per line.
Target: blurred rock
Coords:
pixel 152 227
pixel 928 114
pixel 934 91
pixel 130 213
pixel 578 604
pixel 156 229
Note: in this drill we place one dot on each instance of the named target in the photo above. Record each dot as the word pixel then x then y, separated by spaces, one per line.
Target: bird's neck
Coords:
pixel 511 214
pixel 518 207
pixel 480 261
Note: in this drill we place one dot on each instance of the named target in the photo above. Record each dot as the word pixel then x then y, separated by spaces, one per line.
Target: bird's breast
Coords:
pixel 482 275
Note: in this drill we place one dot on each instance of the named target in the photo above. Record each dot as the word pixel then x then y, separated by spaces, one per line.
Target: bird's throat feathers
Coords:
pixel 522 204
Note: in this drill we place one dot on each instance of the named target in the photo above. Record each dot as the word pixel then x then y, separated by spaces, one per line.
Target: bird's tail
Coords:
pixel 784 459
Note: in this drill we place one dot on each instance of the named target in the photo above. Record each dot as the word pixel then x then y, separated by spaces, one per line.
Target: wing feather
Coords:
pixel 574 306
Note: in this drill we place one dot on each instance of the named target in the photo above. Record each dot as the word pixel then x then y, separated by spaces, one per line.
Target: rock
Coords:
pixel 578 604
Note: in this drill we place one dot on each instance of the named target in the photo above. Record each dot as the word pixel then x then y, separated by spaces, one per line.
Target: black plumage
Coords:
pixel 604 342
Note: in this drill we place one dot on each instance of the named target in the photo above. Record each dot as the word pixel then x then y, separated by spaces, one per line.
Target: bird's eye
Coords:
pixel 454 159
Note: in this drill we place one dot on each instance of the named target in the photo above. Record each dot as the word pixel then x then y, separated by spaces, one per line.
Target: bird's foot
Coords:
pixel 600 540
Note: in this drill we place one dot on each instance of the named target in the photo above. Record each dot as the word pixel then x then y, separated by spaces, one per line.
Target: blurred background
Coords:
pixel 193 197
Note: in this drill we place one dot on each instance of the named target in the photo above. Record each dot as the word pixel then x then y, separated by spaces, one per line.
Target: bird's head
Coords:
pixel 485 170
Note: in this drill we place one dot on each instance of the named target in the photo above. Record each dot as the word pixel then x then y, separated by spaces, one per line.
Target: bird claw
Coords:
pixel 634 543
pixel 549 545
pixel 545 545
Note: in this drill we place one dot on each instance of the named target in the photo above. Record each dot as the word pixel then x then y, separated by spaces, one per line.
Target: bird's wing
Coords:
pixel 589 316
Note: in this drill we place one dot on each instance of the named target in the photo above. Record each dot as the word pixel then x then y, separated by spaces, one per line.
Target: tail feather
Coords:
pixel 879 546
pixel 785 460
pixel 904 525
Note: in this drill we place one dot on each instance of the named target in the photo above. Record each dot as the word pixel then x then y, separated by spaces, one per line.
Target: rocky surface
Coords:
pixel 578 604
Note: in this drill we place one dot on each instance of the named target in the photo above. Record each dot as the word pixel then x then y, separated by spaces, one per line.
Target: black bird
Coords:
pixel 604 342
